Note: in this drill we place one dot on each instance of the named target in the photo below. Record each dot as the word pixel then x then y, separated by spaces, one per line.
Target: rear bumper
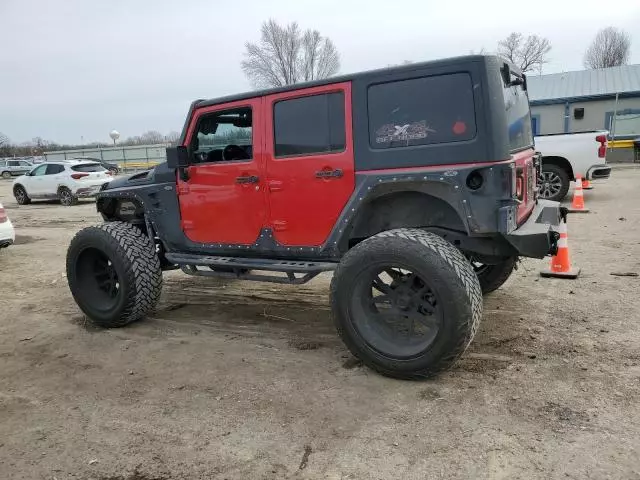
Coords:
pixel 538 237
pixel 599 172
pixel 7 234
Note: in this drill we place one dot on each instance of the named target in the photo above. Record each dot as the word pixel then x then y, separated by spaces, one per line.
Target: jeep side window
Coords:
pixel 224 136
pixel 309 125
pixel 421 111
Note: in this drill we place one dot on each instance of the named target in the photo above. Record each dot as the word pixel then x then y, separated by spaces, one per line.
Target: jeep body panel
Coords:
pixel 313 206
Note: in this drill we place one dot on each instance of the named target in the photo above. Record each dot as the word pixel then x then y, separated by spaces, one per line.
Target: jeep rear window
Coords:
pixel 421 111
pixel 516 104
pixel 307 125
pixel 88 167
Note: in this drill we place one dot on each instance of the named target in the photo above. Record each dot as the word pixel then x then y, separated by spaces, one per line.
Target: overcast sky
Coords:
pixel 76 69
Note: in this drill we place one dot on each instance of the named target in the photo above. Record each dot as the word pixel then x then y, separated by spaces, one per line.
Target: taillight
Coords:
pixel 78 176
pixel 519 183
pixel 602 149
pixel 3 215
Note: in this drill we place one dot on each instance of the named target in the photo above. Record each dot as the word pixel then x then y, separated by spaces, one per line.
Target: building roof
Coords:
pixel 602 82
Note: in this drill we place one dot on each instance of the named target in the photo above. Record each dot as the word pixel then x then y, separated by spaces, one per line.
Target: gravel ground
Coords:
pixel 234 380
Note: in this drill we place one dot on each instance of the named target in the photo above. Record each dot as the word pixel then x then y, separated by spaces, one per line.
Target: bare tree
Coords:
pixel 5 145
pixel 528 53
pixel 285 55
pixel 610 48
pixel 172 137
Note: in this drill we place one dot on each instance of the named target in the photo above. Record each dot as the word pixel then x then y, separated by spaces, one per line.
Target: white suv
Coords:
pixel 64 180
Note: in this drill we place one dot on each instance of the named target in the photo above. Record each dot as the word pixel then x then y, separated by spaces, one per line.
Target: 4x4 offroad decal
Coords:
pixel 398 133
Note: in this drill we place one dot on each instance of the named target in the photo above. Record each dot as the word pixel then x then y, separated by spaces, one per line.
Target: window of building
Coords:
pixel 421 111
pixel 308 125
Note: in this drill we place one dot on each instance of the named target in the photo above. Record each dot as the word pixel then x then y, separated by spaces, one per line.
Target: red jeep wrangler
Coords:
pixel 415 184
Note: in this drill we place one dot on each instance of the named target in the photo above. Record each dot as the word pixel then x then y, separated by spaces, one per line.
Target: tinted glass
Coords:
pixel 422 111
pixel 54 168
pixel 88 167
pixel 39 170
pixel 516 104
pixel 224 136
pixel 307 125
pixel 25 164
pixel 13 163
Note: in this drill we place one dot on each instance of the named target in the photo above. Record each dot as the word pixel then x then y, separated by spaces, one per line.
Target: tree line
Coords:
pixel 37 146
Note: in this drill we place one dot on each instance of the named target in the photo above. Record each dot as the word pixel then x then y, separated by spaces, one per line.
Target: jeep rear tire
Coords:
pixel 406 302
pixel 491 277
pixel 114 273
pixel 554 182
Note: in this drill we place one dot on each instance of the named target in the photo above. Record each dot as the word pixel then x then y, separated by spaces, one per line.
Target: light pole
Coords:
pixel 114 136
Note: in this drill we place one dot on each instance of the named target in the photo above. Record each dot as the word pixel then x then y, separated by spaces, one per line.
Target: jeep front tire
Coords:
pixel 114 273
pixel 406 302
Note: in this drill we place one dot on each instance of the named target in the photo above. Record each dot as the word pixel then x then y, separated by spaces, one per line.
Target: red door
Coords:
pixel 223 200
pixel 309 153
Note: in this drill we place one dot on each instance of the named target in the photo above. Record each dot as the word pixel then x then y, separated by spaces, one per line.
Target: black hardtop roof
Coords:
pixel 354 76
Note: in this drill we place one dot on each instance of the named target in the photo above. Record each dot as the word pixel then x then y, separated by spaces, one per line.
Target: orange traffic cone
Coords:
pixel 586 184
pixel 560 265
pixel 577 206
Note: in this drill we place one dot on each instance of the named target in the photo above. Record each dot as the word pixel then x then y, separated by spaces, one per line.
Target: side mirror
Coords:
pixel 177 157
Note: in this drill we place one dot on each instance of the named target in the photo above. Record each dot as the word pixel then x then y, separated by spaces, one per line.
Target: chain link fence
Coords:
pixel 129 159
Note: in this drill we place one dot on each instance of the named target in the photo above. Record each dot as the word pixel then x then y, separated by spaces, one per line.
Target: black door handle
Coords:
pixel 337 173
pixel 249 179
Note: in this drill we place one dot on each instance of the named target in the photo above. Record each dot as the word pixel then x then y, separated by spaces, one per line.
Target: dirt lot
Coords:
pixel 239 380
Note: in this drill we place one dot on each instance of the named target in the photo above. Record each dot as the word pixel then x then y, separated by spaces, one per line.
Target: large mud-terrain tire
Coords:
pixel 434 302
pixel 114 273
pixel 554 182
pixel 492 277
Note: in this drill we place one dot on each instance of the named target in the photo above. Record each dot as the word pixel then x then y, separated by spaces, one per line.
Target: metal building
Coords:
pixel 607 98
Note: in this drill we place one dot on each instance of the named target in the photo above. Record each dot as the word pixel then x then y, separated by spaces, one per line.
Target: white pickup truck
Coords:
pixel 567 155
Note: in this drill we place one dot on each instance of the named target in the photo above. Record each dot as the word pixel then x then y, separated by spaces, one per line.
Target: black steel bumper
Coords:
pixel 598 172
pixel 538 236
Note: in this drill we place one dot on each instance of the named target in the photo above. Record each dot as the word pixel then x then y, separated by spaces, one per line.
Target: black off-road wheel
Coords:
pixel 20 195
pixel 114 273
pixel 492 277
pixel 406 302
pixel 67 198
pixel 554 182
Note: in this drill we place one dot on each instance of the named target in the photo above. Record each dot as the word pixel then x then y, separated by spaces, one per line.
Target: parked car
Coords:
pixel 11 168
pixel 7 233
pixel 65 180
pixel 567 155
pixel 112 167
pixel 402 180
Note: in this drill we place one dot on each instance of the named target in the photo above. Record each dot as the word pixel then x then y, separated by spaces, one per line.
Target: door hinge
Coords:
pixel 279 225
